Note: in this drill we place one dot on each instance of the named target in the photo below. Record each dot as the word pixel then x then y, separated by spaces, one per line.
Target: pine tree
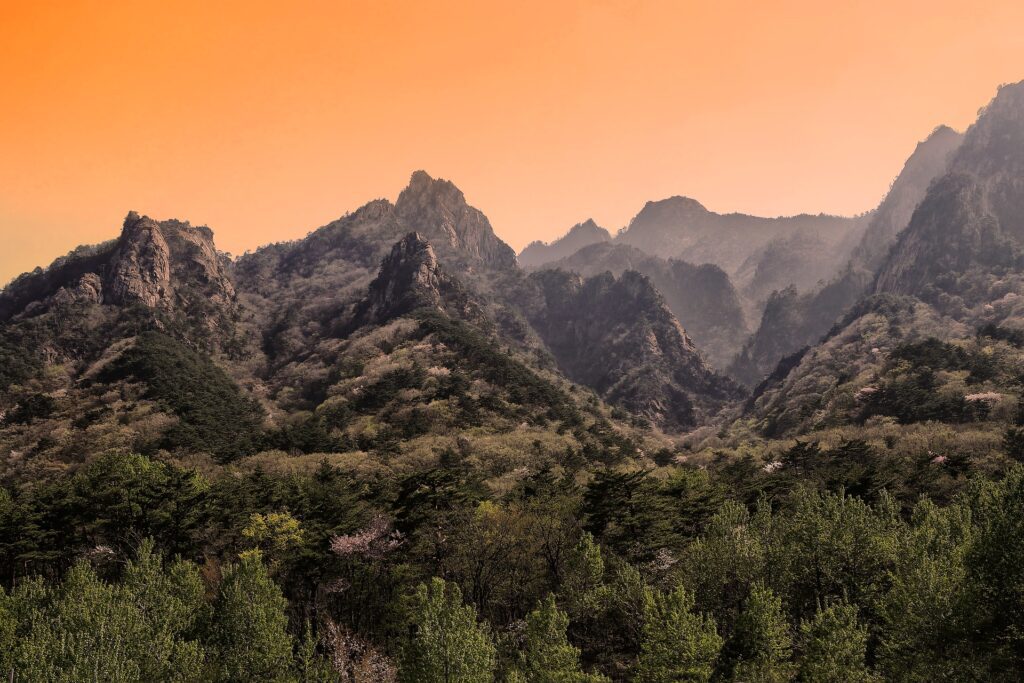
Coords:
pixel 548 656
pixel 834 647
pixel 762 641
pixel 447 645
pixel 678 645
pixel 249 628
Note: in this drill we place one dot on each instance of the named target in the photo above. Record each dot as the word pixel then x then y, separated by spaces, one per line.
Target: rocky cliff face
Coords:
pixel 163 265
pixel 619 337
pixel 702 297
pixel 928 162
pixel 792 320
pixel 537 254
pixel 410 278
pixel 438 210
pixel 969 228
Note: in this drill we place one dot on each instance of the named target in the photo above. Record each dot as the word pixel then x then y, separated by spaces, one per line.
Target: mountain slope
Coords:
pixel 794 319
pixel 702 298
pixel 939 339
pixel 618 336
pixel 968 233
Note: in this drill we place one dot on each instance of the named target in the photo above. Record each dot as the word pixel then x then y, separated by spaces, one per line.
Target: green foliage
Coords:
pixel 525 386
pixel 1013 442
pixel 832 545
pixel 31 407
pixel 446 643
pixel 834 647
pixel 678 645
pixel 548 657
pixel 142 629
pixel 926 613
pixel 629 514
pixel 214 415
pixel 761 642
pixel 113 501
pixel 249 630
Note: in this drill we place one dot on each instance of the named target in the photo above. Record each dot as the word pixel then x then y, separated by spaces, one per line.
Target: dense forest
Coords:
pixel 134 569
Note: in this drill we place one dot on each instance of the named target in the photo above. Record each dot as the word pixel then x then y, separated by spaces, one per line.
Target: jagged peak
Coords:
pixel 423 184
pixel 437 209
pixel 410 278
pixel 411 249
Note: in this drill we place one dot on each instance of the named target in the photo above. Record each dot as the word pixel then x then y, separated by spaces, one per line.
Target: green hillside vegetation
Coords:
pixel 677 572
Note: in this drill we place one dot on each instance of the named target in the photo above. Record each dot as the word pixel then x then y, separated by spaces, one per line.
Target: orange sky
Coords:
pixel 265 120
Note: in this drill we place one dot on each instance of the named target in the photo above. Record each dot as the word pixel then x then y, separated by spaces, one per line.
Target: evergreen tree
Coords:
pixel 834 647
pixel 548 656
pixel 446 644
pixel 678 645
pixel 762 642
pixel 249 633
pixel 86 629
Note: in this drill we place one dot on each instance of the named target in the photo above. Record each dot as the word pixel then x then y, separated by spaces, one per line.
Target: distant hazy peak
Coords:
pixel 581 235
pixel 673 208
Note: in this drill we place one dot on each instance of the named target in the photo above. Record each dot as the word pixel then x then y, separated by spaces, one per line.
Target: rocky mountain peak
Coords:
pixel 152 259
pixel 437 209
pixel 618 336
pixel 675 207
pixel 152 263
pixel 409 278
pixel 995 143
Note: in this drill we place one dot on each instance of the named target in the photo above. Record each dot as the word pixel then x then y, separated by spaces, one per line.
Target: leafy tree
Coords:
pixel 627 513
pixel 276 534
pixel 581 587
pixel 720 565
pixel 829 545
pixel 249 631
pixel 446 643
pixel 171 599
pixel 834 647
pixel 678 645
pixel 548 656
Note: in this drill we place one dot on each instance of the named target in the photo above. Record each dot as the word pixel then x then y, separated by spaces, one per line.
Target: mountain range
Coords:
pixel 711 446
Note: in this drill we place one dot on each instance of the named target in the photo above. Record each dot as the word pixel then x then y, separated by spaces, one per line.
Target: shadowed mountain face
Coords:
pixel 795 318
pixel 537 254
pixel 968 233
pixel 929 161
pixel 702 298
pixel 618 336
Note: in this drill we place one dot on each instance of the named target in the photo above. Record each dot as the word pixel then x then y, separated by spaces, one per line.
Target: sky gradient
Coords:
pixel 265 120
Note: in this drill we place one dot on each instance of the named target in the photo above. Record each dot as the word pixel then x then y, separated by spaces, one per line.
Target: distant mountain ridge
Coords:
pixel 537 254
